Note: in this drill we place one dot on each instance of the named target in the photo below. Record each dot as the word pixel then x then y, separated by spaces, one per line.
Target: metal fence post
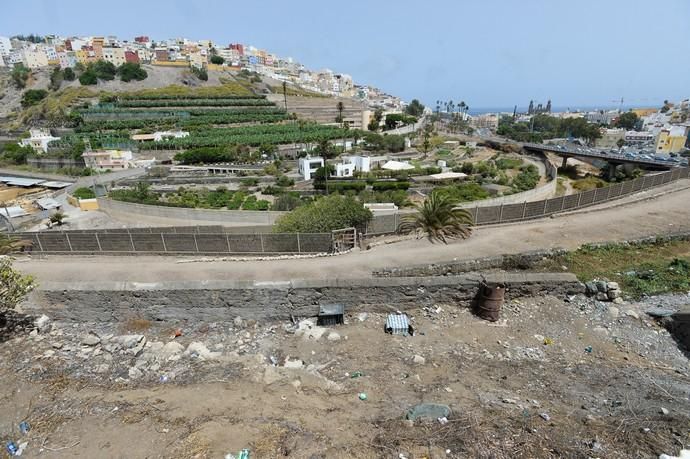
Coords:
pixel 227 240
pixel 165 247
pixel 261 238
pixel 500 214
pixel 98 241
pixel 69 243
pixel 524 210
pixel 40 246
pixel 579 199
pixel 299 248
pixel 196 245
pixel 608 192
pixel 546 201
pixel 562 203
pixel 476 215
pixel 131 241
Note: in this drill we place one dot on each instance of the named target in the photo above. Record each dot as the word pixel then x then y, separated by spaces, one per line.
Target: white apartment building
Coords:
pixel 2 61
pixel 35 58
pixel 5 46
pixel 108 159
pixel 67 59
pixel 51 53
pixel 15 57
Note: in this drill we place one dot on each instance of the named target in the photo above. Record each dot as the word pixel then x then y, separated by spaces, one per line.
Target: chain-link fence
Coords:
pixel 176 240
pixel 507 213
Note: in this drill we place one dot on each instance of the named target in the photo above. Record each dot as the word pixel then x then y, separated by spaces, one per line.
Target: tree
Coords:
pixel 68 74
pixel 620 143
pixel 340 107
pixel 200 73
pixel 324 215
pixel 88 78
pixel 33 96
pixel 427 131
pixel 627 120
pixel 56 77
pixel 415 108
pixel 216 59
pixel 20 74
pixel 356 135
pixel 438 218
pixel 13 285
pixel 132 71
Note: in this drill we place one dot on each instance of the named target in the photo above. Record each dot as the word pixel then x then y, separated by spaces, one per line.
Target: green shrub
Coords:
pixel 465 192
pixel 527 179
pixel 387 186
pixel 249 181
pixel 84 193
pixel 285 181
pixel 323 215
pixel 340 185
pixel 88 78
pixel 16 154
pixel 287 202
pixel 33 96
pixel 131 71
pixel 218 60
pixel 68 74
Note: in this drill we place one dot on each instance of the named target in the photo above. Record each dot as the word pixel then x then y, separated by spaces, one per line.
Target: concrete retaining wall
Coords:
pixel 223 300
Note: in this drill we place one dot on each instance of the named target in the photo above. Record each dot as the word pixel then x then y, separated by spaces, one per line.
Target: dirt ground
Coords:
pixel 553 378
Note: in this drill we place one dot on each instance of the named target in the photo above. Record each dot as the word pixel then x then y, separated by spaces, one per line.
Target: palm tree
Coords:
pixel 346 128
pixel 438 218
pixel 340 108
pixel 356 135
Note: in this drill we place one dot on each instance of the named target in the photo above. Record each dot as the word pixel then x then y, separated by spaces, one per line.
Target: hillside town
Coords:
pixel 68 52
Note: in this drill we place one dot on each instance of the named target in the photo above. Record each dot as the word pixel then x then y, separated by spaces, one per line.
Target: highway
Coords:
pixel 613 158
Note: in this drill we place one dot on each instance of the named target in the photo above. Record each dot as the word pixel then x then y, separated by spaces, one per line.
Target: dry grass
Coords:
pixel 136 325
pixel 193 446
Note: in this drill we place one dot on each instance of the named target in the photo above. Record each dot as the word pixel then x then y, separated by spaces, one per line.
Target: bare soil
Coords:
pixel 511 394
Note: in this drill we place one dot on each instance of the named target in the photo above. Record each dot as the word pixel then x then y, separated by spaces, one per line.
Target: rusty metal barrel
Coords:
pixel 491 298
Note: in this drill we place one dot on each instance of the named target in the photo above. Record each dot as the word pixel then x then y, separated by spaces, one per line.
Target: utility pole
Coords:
pixel 285 95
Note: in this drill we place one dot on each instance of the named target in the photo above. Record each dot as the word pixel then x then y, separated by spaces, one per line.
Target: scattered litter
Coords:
pixel 545 416
pixel 356 374
pixel 178 333
pixel 24 427
pixel 362 396
pixel 588 349
pixel 548 341
pixel 163 379
pixel 664 411
pixel 429 411
pixel 244 454
pixel 273 360
pixel 660 312
pixel 399 324
pixel 442 420
pixel 12 448
pixel 684 454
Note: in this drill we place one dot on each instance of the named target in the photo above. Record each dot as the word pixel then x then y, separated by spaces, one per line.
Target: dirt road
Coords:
pixel 667 213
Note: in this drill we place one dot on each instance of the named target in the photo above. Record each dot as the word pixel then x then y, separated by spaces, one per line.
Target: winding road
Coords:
pixel 657 211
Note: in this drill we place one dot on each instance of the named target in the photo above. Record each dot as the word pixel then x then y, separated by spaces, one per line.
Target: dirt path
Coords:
pixel 663 214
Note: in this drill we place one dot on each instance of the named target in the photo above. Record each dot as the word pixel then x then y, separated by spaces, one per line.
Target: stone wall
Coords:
pixel 223 300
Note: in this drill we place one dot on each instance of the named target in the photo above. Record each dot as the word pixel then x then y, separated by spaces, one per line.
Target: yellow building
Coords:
pixel 640 112
pixel 35 58
pixel 114 55
pixel 671 140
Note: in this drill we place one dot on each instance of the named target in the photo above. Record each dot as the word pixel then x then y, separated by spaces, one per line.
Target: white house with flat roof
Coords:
pixel 308 166
pixel 108 159
pixel 38 140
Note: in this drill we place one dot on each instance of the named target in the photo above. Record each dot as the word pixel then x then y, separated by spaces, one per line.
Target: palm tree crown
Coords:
pixel 438 218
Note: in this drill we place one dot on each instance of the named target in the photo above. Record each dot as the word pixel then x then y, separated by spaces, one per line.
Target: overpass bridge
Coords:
pixel 612 159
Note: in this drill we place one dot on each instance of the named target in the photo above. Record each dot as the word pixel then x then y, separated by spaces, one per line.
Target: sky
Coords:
pixel 488 53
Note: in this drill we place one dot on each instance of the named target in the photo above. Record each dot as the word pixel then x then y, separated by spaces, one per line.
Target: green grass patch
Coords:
pixel 588 183
pixel 647 268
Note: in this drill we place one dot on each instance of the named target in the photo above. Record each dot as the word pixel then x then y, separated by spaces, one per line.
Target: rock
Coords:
pixel 631 313
pixel 509 401
pixel 601 286
pixel 135 373
pixel 333 336
pixel 56 345
pixel 362 316
pixel 293 364
pixel 602 296
pixel 172 348
pixel 49 353
pixel 613 312
pixel 90 339
pixel 664 411
pixel 613 294
pixel 102 368
pixel 612 286
pixel 129 341
pixel 591 287
pixel 545 416
pixel 201 351
pixel 296 383
pixel 238 322
pixel 309 330
pixel 618 300
pixel 419 360
pixel 660 312
pixel 43 324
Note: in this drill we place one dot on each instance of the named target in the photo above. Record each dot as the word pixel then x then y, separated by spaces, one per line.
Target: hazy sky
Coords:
pixel 489 53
